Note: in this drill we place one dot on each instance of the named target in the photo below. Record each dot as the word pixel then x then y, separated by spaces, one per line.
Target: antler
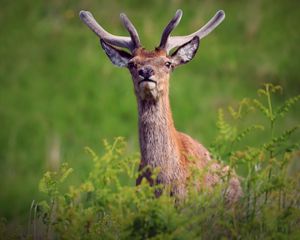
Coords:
pixel 169 28
pixel 168 43
pixel 130 43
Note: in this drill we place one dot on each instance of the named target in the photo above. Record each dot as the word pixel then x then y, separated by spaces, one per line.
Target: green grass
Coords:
pixel 57 84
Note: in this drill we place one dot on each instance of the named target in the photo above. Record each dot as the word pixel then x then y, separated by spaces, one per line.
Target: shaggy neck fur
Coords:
pixel 157 136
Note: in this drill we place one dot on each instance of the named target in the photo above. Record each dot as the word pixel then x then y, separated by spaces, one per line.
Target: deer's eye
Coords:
pixel 168 64
pixel 131 65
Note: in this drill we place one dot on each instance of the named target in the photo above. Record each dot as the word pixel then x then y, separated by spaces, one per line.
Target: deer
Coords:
pixel 161 145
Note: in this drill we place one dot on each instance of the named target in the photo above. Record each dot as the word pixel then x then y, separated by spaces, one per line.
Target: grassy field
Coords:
pixel 59 92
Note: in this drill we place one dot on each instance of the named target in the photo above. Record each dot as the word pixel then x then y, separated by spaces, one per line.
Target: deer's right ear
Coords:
pixel 118 57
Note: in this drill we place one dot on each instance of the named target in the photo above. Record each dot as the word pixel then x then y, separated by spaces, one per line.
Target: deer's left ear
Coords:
pixel 118 57
pixel 185 52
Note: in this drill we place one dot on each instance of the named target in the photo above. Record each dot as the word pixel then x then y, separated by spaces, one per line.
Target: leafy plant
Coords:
pixel 108 205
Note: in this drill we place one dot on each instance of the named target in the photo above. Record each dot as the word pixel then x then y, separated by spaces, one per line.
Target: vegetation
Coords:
pixel 59 94
pixel 107 205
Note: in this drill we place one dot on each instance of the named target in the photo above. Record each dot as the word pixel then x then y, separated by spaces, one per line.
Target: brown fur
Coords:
pixel 162 146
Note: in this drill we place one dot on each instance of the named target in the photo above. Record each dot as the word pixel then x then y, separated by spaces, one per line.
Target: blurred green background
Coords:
pixel 60 93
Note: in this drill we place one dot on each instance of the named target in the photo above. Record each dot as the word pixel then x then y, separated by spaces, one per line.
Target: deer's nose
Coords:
pixel 146 72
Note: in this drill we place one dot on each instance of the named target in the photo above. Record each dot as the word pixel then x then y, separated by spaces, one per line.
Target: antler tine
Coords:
pixel 115 40
pixel 201 33
pixel 131 29
pixel 169 28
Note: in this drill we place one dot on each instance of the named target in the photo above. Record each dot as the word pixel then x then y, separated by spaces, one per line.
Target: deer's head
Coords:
pixel 150 70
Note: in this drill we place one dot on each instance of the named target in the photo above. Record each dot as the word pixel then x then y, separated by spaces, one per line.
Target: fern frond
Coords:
pixel 262 108
pixel 269 88
pixel 244 107
pixel 246 132
pixel 226 132
pixel 281 139
pixel 285 107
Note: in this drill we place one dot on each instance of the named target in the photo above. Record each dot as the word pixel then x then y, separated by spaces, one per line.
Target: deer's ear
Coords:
pixel 118 57
pixel 185 52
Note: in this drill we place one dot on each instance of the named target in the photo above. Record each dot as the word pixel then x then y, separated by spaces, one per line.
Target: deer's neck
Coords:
pixel 157 136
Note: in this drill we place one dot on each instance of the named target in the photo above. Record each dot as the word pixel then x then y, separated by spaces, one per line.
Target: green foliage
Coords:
pixel 108 205
pixel 271 199
pixel 51 180
pixel 56 82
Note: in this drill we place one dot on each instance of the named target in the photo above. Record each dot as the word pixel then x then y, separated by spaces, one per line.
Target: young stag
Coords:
pixel 161 145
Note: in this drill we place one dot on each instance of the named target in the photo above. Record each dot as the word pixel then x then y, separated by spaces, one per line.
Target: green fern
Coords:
pixel 245 132
pixel 51 181
pixel 226 131
pixel 277 142
pixel 243 108
pixel 108 205
pixel 263 109
pixel 282 110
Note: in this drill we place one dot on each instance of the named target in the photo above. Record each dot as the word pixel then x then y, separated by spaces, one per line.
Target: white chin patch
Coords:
pixel 148 90
pixel 147 86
